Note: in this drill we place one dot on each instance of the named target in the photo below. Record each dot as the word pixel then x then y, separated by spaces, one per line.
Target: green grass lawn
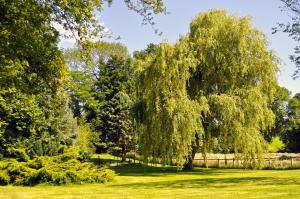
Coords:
pixel 141 182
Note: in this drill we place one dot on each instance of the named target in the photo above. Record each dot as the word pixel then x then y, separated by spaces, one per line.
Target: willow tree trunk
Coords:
pixel 188 166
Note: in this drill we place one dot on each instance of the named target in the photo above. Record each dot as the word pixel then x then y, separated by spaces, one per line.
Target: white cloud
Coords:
pixel 67 38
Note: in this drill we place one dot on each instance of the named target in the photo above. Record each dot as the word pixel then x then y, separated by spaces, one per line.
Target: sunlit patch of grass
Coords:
pixel 137 181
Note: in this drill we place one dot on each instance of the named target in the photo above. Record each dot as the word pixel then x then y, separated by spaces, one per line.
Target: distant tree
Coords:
pixel 292 139
pixel 59 129
pixel 115 84
pixel 291 136
pixel 142 55
pixel 280 109
pixel 81 92
pixel 88 56
pixel 102 90
pixel 86 141
pixel 85 62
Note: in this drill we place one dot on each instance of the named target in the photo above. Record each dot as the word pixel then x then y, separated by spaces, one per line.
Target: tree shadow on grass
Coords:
pixel 212 183
pixel 103 161
pixel 146 170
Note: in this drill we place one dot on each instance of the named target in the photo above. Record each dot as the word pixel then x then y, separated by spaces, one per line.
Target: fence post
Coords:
pixel 207 163
pixel 291 161
pixel 218 163
pixel 233 162
pixel 270 163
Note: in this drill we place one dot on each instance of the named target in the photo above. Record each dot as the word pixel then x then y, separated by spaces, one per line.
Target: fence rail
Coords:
pixel 283 162
pixel 236 162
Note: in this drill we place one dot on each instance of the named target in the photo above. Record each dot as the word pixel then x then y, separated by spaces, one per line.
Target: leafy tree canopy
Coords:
pixel 291 136
pixel 217 81
pixel 280 109
pixel 87 62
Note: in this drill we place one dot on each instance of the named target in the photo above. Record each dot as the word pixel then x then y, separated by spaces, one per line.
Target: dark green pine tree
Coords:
pixel 115 85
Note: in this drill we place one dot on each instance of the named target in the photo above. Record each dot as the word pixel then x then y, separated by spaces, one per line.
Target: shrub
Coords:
pixel 46 145
pixel 19 154
pixel 275 145
pixel 35 164
pixel 56 170
pixel 84 156
pixel 46 175
pixel 20 173
pixel 86 138
pixel 71 153
pixel 4 164
pixel 86 141
pixel 4 178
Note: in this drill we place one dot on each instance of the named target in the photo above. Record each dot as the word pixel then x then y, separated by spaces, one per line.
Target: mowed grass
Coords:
pixel 158 182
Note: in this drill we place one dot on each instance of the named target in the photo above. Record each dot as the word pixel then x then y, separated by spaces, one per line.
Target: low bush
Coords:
pixel 84 156
pixel 4 178
pixel 275 145
pixel 19 154
pixel 56 170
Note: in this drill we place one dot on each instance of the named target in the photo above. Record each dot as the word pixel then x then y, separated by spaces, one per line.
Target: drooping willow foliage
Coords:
pixel 217 81
pixel 171 117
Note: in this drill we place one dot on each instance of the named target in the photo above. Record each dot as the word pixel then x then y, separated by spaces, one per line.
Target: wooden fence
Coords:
pixel 286 162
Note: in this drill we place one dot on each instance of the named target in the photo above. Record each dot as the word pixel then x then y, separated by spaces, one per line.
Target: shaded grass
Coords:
pixel 139 181
pixel 107 159
pixel 104 159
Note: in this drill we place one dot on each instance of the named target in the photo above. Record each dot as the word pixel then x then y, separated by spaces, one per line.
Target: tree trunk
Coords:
pixel 123 153
pixel 188 166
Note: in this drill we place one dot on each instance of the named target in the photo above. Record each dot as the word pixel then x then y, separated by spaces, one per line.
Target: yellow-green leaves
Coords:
pixel 237 77
pixel 171 117
pixel 218 81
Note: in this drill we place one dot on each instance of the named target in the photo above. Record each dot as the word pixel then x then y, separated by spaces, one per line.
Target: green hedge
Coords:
pixel 19 154
pixel 56 170
pixel 4 178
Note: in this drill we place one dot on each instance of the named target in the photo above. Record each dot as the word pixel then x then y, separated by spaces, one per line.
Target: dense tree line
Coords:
pixel 39 116
pixel 34 85
pixel 287 124
pixel 102 92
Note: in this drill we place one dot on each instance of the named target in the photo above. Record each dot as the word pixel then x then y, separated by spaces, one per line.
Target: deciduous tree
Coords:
pixel 218 81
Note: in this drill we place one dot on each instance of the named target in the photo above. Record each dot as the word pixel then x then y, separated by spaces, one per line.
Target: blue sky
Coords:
pixel 265 14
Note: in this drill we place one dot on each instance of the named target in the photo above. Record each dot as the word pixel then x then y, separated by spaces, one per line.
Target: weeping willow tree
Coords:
pixel 171 118
pixel 218 81
pixel 237 75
